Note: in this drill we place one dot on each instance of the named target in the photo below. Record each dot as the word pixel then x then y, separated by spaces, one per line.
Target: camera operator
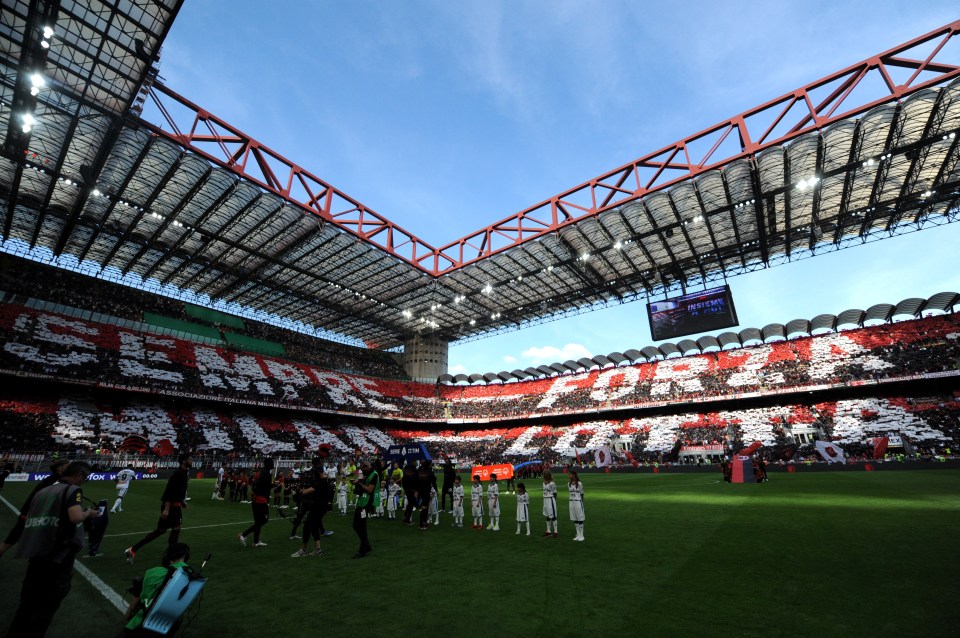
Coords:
pixel 145 590
pixel 56 468
pixel 368 489
pixel 53 534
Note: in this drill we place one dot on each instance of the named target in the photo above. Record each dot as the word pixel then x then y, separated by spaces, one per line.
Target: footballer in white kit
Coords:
pixel 124 477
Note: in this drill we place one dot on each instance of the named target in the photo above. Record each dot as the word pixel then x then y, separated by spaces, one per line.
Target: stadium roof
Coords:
pixel 183 198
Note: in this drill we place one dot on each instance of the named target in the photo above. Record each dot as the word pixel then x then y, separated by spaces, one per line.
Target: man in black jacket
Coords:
pixel 172 503
pixel 410 494
pixel 449 476
pixel 426 478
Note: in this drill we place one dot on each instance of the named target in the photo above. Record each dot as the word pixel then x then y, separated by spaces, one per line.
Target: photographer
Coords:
pixel 55 472
pixel 52 536
pixel 368 489
pixel 145 591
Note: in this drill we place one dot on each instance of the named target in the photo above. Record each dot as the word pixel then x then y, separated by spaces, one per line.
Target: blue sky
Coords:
pixel 448 116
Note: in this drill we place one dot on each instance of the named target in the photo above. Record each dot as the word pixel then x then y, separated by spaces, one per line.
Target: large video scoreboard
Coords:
pixel 692 313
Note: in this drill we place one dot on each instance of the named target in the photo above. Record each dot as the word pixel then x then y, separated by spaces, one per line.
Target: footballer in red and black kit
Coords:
pixel 172 503
pixel 262 486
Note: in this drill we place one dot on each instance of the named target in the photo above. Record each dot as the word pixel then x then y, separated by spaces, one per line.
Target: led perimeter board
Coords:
pixel 692 313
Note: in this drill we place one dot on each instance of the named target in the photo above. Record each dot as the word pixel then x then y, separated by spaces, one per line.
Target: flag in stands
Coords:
pixel 576 453
pixel 880 444
pixel 603 456
pixel 831 452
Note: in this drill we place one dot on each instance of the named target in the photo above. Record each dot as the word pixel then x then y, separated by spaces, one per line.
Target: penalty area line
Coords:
pixel 113 597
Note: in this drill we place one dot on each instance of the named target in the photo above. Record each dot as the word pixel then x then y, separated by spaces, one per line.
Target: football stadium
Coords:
pixel 229 404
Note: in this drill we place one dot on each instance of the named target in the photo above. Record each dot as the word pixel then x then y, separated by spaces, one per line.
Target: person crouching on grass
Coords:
pixel 576 504
pixel 175 557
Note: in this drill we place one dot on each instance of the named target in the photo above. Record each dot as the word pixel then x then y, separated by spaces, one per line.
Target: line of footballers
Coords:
pixel 313 495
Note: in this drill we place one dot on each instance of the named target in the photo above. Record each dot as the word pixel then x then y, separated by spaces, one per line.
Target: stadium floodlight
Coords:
pixel 617 246
pixel 45 44
pixel 473 322
pixel 37 80
pixel 48 32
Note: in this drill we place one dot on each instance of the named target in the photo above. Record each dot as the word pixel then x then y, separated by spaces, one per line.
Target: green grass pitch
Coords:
pixel 827 554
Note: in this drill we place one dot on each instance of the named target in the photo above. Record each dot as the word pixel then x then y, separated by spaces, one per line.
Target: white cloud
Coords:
pixel 458 368
pixel 552 354
pixel 509 359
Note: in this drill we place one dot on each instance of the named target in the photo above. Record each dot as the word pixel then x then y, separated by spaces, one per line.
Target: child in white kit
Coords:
pixel 550 504
pixel 342 491
pixel 392 496
pixel 493 503
pixel 457 502
pixel 476 502
pixel 523 507
pixel 383 499
pixel 433 513
pixel 577 515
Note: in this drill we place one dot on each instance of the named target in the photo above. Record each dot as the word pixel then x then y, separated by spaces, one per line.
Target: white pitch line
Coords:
pixel 247 522
pixel 113 597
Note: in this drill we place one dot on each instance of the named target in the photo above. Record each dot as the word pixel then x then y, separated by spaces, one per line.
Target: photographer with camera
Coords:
pixel 52 536
pixel 56 469
pixel 368 489
pixel 145 589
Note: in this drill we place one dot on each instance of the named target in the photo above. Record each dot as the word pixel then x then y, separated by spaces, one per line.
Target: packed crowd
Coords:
pixel 113 300
pixel 39 342
pixel 125 425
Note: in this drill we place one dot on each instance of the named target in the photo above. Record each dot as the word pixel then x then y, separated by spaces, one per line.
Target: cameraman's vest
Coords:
pixel 48 531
